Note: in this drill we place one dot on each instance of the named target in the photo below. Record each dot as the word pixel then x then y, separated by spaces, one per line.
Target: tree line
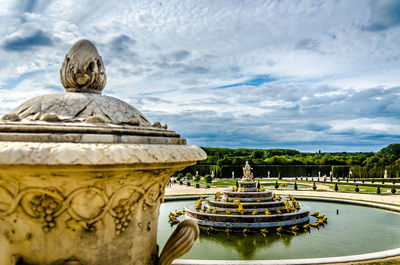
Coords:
pixel 389 155
pixel 360 164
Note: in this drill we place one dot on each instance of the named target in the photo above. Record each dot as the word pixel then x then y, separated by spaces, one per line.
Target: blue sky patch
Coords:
pixel 13 82
pixel 19 44
pixel 257 81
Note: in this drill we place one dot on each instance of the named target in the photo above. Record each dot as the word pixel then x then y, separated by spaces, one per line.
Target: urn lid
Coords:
pixel 82 114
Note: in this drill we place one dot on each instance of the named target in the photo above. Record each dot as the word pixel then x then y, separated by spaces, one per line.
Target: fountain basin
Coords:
pixel 248 196
pixel 346 238
pixel 246 205
pixel 248 185
pixel 236 221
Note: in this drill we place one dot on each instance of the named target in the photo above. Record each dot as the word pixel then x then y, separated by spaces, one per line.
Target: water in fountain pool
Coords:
pixel 355 230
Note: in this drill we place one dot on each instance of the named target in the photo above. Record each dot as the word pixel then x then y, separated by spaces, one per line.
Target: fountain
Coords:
pixel 82 175
pixel 249 206
pixel 369 236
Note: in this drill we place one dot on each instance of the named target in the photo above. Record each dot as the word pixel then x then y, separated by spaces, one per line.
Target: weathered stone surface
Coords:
pixel 91 215
pixel 96 119
pixel 88 138
pixel 157 124
pixel 79 107
pixel 10 117
pixel 83 69
pixel 134 122
pixel 96 154
pixel 40 127
pixel 50 117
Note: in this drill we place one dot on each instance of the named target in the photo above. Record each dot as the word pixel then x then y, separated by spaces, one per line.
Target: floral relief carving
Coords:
pixel 154 193
pixel 85 206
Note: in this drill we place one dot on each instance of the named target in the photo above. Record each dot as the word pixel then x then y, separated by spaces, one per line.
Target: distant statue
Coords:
pixel 386 174
pixel 247 175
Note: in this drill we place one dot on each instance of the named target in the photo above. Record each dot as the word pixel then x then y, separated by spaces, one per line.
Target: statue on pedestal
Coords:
pixel 247 175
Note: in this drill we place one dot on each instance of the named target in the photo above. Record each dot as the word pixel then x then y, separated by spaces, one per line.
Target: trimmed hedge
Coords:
pixel 340 171
pixel 393 171
pixel 260 171
pixel 225 171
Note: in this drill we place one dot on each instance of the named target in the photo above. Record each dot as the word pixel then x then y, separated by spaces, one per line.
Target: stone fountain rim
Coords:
pixel 352 258
pixel 227 191
pixel 304 209
pixel 34 153
pixel 340 259
pixel 247 203
pixel 38 127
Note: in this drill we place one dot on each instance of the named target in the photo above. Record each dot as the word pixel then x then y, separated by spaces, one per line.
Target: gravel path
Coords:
pixel 177 189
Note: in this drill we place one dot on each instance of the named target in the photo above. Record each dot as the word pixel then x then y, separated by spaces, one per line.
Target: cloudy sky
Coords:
pixel 309 75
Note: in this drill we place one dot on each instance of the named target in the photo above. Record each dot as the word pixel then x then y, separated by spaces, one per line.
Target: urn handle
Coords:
pixel 180 242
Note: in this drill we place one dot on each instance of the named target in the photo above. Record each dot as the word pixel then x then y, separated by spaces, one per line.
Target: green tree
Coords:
pixel 189 176
pixel 197 178
pixel 224 161
pixel 391 149
pixel 276 185
pixel 208 178
pixel 277 160
pixel 179 177
pixel 376 160
pixel 257 161
pixel 257 154
pixel 238 161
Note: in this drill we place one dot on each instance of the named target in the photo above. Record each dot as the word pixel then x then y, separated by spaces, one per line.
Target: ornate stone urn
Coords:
pixel 82 175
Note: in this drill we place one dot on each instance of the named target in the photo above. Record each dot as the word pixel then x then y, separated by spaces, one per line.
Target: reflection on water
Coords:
pixel 245 246
pixel 355 230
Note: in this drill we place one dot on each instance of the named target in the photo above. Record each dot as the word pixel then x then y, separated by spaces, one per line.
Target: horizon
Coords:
pixel 309 76
pixel 301 151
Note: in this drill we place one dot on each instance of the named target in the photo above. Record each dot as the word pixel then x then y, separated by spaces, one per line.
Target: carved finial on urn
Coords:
pixel 83 69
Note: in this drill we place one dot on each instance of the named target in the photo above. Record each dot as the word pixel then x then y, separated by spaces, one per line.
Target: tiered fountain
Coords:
pixel 248 206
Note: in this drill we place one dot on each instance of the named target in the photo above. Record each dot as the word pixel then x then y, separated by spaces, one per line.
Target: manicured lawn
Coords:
pixel 343 187
pixel 363 189
pixel 218 182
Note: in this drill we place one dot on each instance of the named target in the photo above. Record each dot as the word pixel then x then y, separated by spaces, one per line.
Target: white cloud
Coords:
pixel 331 63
